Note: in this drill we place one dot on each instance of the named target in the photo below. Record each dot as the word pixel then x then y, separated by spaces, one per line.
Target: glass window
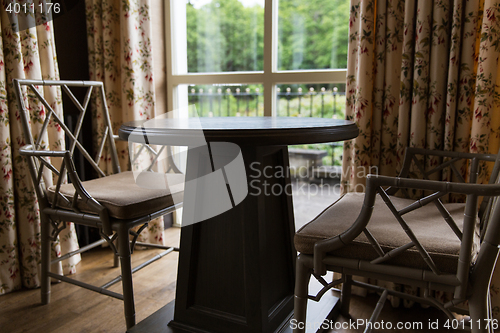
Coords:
pixel 312 34
pixel 235 100
pixel 225 35
pixel 322 100
pixel 222 42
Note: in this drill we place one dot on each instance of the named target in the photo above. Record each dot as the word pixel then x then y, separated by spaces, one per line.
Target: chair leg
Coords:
pixel 345 297
pixel 303 275
pixel 126 270
pixel 478 309
pixel 480 280
pixel 45 254
pixel 116 258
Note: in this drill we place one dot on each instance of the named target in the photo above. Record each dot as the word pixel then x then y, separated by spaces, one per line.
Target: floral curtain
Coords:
pixel 120 55
pixel 25 54
pixel 422 74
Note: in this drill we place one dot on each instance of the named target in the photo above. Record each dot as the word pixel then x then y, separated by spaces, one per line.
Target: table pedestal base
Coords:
pixel 159 321
pixel 236 270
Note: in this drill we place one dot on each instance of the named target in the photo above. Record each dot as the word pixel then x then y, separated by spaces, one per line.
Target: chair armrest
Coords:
pixel 28 150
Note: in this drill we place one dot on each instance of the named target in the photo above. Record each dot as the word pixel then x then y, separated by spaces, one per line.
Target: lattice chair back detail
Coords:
pixel 41 160
pixel 429 244
pixel 114 204
pixel 155 156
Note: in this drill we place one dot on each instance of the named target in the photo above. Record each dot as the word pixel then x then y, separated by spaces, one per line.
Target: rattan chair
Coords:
pixel 114 204
pixel 424 243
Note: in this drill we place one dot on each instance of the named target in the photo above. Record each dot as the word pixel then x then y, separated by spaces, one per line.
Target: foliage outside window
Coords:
pixel 227 36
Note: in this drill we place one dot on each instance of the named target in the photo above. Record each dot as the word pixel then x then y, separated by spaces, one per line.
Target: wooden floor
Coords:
pixel 73 309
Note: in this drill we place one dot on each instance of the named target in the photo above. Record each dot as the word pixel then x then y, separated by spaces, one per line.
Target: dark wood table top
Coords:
pixel 258 131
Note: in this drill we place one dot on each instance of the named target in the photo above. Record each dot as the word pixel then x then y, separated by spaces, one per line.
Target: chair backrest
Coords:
pixel 30 96
pixel 488 211
pixel 475 161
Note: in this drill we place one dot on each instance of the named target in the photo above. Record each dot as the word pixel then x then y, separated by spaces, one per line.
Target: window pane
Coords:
pixel 227 100
pixel 314 100
pixel 225 35
pixel 312 34
pixel 311 100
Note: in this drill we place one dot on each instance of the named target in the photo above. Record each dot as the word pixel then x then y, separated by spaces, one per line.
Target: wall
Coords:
pixel 71 43
pixel 159 60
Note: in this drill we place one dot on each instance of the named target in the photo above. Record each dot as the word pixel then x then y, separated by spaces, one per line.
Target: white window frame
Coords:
pixel 270 77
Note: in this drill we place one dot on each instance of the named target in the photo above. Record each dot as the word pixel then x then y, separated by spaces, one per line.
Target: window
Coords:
pixel 256 57
pixel 260 58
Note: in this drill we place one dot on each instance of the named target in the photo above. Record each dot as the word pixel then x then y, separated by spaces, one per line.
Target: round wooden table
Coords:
pixel 236 270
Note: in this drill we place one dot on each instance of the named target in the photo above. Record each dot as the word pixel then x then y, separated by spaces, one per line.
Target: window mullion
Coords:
pixel 218 78
pixel 176 51
pixel 168 51
pixel 315 76
pixel 270 56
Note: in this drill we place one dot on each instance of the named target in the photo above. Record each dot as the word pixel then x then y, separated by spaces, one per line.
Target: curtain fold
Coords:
pixel 26 54
pixel 120 55
pixel 422 74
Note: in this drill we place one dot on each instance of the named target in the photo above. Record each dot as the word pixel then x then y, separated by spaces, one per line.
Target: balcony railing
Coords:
pixel 235 102
pixel 298 102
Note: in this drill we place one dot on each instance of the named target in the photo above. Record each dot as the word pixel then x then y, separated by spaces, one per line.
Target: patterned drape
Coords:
pixel 422 73
pixel 26 54
pixel 120 55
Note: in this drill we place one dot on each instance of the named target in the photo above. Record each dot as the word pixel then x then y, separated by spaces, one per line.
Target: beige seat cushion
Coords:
pixel 427 224
pixel 123 198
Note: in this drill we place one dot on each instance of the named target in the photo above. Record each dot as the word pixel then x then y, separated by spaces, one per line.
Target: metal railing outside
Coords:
pixel 292 102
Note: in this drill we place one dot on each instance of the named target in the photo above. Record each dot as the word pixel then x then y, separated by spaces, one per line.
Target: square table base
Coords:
pixel 159 321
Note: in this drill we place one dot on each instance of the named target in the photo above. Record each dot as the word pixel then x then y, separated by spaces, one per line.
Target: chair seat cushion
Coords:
pixel 427 224
pixel 123 198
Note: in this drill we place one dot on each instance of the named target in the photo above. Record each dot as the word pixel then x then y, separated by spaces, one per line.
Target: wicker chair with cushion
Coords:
pixel 424 243
pixel 114 204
